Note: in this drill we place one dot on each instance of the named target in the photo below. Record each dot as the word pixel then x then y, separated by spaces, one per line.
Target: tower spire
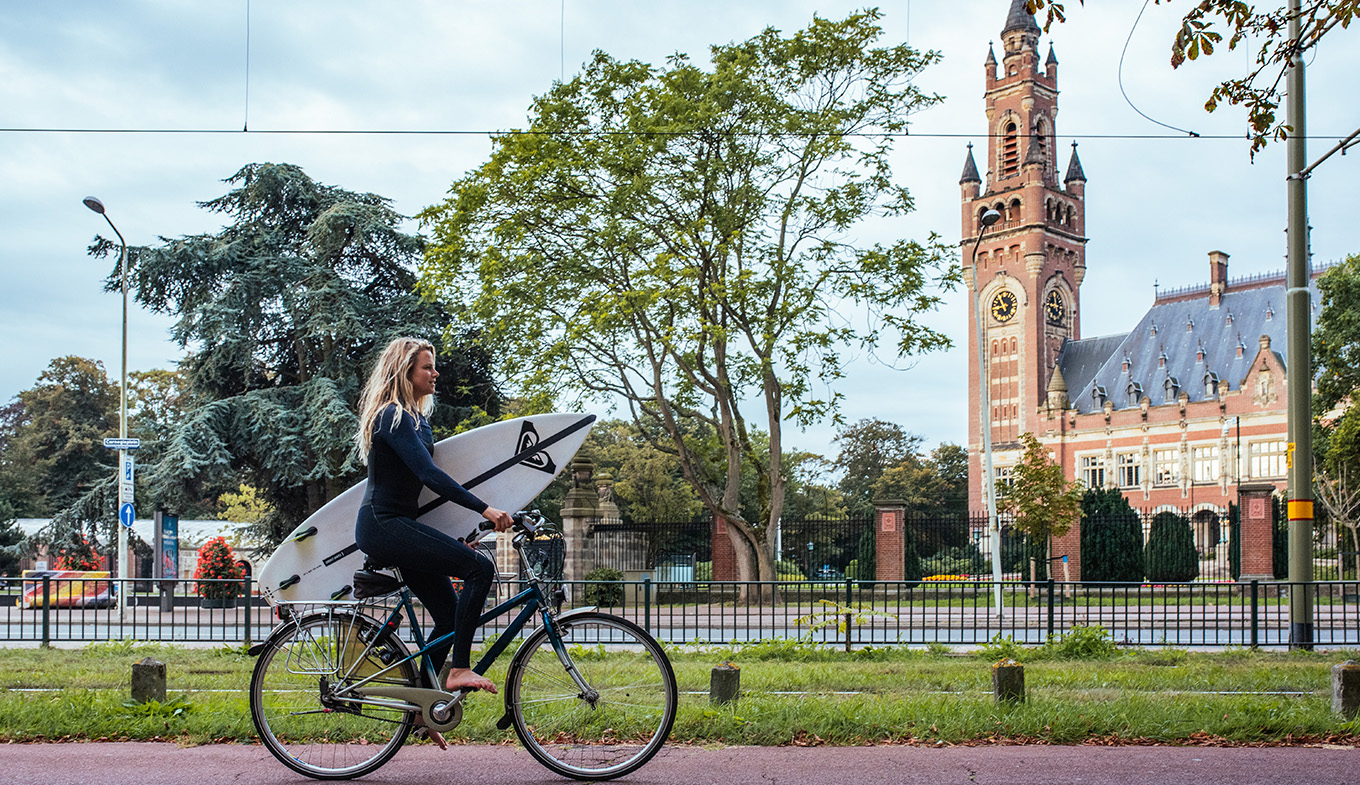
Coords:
pixel 1020 18
pixel 970 170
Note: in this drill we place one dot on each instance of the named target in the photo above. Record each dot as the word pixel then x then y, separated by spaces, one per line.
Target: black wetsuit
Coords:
pixel 400 464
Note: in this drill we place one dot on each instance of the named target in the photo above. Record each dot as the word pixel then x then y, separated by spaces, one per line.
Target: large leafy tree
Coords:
pixel 1336 359
pixel 1259 91
pixel 682 239
pixel 66 416
pixel 867 449
pixel 281 312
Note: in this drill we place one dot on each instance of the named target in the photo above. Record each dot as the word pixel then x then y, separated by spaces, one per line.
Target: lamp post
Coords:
pixel 124 475
pixel 988 218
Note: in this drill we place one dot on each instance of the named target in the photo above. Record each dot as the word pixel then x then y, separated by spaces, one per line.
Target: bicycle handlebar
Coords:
pixel 524 521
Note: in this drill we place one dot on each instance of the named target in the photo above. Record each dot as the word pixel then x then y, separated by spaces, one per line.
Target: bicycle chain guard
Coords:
pixel 433 704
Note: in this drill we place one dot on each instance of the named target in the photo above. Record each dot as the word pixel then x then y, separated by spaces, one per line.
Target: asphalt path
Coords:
pixel 146 763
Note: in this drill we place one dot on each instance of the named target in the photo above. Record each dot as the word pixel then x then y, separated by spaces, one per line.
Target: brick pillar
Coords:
pixel 1256 530
pixel 889 539
pixel 724 555
pixel 1068 545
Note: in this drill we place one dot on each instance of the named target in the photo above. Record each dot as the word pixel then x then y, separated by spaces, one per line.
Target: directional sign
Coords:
pixel 126 515
pixel 114 443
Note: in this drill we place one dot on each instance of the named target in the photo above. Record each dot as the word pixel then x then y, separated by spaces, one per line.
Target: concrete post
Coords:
pixel 148 681
pixel 1346 689
pixel 725 684
pixel 1008 681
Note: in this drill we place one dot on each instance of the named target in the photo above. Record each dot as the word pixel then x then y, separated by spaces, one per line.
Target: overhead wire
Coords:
pixel 1124 93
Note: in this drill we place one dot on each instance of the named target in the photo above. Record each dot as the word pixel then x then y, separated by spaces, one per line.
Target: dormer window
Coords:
pixel 1189 325
pixel 1161 360
pixel 1154 329
pixel 1097 395
pixel 1210 385
pixel 1230 319
pixel 1135 391
pixel 1172 388
pixel 1126 365
pixel 1199 355
pixel 1270 312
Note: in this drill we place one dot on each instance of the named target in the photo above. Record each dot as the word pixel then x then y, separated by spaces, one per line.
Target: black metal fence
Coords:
pixel 845 613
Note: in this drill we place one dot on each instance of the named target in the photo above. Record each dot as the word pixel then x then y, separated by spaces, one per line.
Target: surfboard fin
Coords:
pixel 289 581
pixel 342 591
pixel 304 534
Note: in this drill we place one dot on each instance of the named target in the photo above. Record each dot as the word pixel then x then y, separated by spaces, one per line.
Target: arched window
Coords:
pixel 1010 151
pixel 1041 139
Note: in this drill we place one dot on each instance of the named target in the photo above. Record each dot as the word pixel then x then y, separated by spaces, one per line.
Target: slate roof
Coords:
pixel 1020 18
pixel 1183 327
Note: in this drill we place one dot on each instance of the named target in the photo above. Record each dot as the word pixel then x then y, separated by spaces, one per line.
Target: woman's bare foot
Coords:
pixel 466 679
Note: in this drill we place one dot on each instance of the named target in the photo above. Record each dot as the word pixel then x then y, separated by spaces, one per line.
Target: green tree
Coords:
pixel 67 415
pixel 683 239
pixel 12 541
pixel 868 448
pixel 1260 90
pixel 1111 537
pixel 18 473
pixel 283 311
pixel 245 505
pixel 1043 503
pixel 1170 555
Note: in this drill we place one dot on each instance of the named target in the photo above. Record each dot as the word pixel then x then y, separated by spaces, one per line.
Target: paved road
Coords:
pixel 137 763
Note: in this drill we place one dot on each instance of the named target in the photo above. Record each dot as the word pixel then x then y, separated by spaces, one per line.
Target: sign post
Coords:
pixel 126 512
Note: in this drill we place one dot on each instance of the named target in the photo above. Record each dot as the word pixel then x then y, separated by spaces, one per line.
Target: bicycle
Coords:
pixel 335 691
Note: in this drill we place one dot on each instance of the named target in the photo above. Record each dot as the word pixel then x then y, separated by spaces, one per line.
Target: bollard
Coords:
pixel 1008 681
pixel 725 685
pixel 148 681
pixel 1346 689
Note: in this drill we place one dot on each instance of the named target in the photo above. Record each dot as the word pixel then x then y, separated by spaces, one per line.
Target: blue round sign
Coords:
pixel 126 515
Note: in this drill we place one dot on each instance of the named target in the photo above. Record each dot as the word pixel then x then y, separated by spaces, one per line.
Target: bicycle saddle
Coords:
pixel 368 582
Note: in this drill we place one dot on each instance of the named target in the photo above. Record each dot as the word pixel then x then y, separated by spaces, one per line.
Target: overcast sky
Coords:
pixel 1155 206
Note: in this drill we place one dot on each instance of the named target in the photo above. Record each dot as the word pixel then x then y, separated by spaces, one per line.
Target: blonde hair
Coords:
pixel 390 382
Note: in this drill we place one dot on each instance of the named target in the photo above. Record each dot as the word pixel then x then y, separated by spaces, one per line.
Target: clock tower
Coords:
pixel 1028 267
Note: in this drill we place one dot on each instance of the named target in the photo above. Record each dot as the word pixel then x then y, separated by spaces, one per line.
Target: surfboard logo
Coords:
pixel 528 440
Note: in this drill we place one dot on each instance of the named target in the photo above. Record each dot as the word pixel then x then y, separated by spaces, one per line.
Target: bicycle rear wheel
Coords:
pixel 292 701
pixel 609 729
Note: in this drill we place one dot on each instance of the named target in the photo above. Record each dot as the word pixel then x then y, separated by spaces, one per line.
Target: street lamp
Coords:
pixel 988 218
pixel 124 472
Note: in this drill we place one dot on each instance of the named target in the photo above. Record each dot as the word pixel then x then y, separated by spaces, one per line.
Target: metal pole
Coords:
pixel 122 434
pixel 125 492
pixel 985 419
pixel 1298 300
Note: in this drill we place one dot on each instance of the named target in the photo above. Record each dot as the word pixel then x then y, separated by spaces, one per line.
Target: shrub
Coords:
pixel 217 562
pixel 1082 643
pixel 999 648
pixel 603 587
pixel 1170 555
pixel 788 571
pixel 703 571
pixel 1111 538
pixel 78 556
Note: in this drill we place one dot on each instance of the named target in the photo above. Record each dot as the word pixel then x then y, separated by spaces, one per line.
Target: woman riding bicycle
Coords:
pixel 395 439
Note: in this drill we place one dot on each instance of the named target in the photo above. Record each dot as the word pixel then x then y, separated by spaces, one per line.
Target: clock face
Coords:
pixel 1004 305
pixel 1054 308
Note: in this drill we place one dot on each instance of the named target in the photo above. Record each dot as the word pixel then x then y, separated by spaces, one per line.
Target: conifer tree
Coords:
pixel 282 312
pixel 1170 555
pixel 1111 537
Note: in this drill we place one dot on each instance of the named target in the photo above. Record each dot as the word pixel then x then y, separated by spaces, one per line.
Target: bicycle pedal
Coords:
pixel 504 722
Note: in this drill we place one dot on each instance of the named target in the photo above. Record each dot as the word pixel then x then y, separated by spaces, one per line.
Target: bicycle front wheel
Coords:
pixel 610 722
pixel 302 719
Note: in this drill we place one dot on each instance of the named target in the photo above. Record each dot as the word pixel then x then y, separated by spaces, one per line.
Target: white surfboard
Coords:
pixel 504 464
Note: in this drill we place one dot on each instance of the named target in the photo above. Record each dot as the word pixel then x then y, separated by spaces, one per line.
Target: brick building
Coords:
pixel 1180 412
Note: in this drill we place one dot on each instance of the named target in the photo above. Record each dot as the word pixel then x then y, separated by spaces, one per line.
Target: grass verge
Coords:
pixel 1080 690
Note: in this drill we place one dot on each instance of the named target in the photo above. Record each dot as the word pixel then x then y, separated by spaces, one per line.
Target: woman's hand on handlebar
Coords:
pixel 501 518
